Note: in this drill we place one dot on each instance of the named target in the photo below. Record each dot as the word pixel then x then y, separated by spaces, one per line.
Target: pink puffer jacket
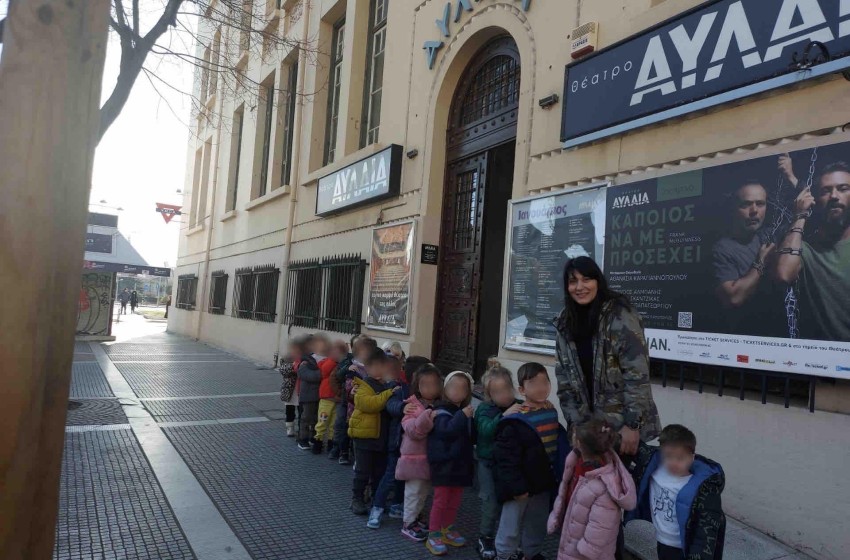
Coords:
pixel 591 516
pixel 413 463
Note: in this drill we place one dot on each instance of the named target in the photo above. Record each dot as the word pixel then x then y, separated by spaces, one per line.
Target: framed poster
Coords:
pixel 744 264
pixel 545 232
pixel 390 276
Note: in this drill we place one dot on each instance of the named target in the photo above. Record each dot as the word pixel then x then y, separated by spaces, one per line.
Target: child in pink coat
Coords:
pixel 426 386
pixel 595 490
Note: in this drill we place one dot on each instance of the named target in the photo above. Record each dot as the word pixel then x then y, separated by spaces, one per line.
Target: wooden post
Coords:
pixel 50 77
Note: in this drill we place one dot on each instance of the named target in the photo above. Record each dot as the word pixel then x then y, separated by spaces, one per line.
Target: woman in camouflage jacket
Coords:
pixel 603 360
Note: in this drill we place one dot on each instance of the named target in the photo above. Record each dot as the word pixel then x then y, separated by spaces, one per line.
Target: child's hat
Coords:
pixel 455 373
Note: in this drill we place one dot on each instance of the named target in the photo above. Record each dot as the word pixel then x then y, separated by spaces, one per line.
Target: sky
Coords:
pixel 141 159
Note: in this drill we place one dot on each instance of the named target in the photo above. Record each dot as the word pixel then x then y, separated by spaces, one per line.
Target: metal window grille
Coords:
pixel 466 209
pixel 494 87
pixel 187 287
pixel 268 99
pixel 337 304
pixel 332 125
pixel 255 293
pixel 218 292
pixel 374 83
pixel 288 105
pixel 786 388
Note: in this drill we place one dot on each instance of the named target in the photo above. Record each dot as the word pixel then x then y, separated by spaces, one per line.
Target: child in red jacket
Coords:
pixel 327 399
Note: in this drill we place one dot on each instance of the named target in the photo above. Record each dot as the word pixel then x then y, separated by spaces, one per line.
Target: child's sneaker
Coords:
pixel 358 507
pixel 343 459
pixel 453 538
pixel 317 447
pixel 375 518
pixel 304 445
pixel 486 548
pixel 414 532
pixel 397 511
pixel 435 544
pixel 290 429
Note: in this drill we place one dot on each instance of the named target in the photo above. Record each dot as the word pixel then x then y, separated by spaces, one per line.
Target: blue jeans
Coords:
pixel 341 439
pixel 388 482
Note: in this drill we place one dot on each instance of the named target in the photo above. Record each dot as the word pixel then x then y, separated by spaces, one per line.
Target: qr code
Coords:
pixel 686 320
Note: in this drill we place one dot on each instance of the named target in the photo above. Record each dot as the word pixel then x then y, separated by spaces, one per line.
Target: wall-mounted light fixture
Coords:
pixel 547 102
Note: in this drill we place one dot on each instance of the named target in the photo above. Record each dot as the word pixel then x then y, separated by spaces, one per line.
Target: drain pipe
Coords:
pixel 295 173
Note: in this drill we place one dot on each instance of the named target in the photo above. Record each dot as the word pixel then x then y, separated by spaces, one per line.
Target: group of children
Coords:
pixel 413 433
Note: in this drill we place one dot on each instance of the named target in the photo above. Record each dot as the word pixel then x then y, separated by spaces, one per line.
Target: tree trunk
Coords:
pixel 50 80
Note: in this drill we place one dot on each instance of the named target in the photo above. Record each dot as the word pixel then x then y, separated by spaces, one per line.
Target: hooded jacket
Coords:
pixel 413 463
pixel 702 523
pixel 521 464
pixel 487 416
pixel 368 422
pixel 589 518
pixel 309 378
pixel 622 392
pixel 326 367
pixel 450 447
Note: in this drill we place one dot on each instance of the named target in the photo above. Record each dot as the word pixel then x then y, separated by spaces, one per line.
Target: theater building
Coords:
pixel 423 172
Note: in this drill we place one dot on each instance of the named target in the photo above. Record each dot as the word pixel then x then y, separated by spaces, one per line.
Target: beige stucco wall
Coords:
pixel 772 449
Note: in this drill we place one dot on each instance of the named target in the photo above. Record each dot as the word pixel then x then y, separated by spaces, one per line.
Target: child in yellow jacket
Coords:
pixel 369 427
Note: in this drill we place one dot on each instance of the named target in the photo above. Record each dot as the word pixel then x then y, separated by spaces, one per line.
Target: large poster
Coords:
pixel 745 264
pixel 389 278
pixel 545 233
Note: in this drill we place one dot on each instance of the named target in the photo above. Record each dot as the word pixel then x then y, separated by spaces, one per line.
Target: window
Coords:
pixel 214 64
pixel 494 87
pixel 218 292
pixel 267 105
pixel 187 287
pixel 245 21
pixel 255 293
pixel 235 157
pixel 334 91
pixel 196 186
pixel 205 74
pixel 374 73
pixel 201 209
pixel 337 304
pixel 287 105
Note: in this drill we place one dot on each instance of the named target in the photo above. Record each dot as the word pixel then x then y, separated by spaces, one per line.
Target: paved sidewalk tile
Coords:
pixel 88 382
pixel 190 379
pixel 90 412
pixel 110 505
pixel 214 409
pixel 286 503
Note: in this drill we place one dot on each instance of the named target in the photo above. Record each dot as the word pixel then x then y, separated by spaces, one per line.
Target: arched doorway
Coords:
pixel 481 140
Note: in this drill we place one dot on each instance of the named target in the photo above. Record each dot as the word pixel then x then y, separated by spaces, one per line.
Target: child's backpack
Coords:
pixel 290 376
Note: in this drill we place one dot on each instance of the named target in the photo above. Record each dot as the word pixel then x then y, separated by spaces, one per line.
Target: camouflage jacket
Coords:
pixel 621 373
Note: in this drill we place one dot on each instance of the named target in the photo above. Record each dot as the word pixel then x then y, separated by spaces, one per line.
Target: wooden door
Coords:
pixel 460 263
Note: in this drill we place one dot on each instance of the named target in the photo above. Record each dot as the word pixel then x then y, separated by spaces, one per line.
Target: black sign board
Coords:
pixel 127 268
pixel 721 51
pixel 369 180
pixel 99 243
pixel 105 220
pixel 430 254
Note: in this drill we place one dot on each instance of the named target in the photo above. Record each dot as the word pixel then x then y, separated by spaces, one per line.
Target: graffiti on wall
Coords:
pixel 94 304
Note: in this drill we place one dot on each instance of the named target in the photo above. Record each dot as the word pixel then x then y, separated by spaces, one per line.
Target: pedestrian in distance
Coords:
pixel 426 388
pixel 337 351
pixel 388 483
pixel 672 480
pixel 529 448
pixel 124 299
pixel 451 460
pixel 134 301
pixel 499 400
pixel 369 427
pixel 594 491
pixel 309 378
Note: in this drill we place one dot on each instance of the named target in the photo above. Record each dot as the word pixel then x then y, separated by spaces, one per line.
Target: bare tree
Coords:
pixel 229 33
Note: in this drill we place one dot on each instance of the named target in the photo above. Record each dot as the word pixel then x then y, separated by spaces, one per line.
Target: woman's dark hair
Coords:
pixel 596 437
pixel 424 371
pixel 588 268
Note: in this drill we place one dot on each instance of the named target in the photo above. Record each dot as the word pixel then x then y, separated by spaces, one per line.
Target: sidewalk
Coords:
pixel 176 450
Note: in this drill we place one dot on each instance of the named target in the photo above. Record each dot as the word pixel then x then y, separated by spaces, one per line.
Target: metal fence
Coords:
pixel 255 293
pixel 326 294
pixel 187 288
pixel 786 388
pixel 218 292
